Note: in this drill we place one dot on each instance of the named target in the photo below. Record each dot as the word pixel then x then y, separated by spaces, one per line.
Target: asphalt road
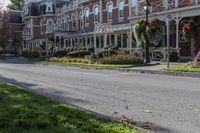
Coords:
pixel 171 104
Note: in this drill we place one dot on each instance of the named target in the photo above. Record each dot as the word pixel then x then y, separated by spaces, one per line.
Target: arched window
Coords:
pixel 81 20
pixel 67 23
pixel 96 13
pixel 110 10
pixel 73 21
pixel 50 25
pixel 121 8
pixel 58 24
pixel 62 25
pixel 87 14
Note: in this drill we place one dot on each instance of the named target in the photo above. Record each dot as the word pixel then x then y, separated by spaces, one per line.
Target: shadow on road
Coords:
pixel 56 95
pixel 64 97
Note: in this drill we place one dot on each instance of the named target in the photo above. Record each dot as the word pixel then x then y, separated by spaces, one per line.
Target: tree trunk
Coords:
pixel 192 46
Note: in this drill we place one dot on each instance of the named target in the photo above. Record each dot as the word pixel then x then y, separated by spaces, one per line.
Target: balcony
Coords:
pixel 82 1
pixel 163 5
pixel 67 8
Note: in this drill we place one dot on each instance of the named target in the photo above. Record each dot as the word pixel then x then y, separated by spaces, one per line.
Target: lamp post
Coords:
pixel 146 9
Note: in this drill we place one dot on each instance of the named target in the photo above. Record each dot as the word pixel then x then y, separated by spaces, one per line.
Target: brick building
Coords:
pixel 98 23
pixel 11 28
pixel 81 23
pixel 180 11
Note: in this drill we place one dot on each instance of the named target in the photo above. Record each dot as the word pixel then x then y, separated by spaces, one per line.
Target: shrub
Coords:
pixel 61 53
pixel 121 59
pixel 114 48
pixel 193 64
pixel 173 56
pixel 33 54
pixel 106 52
pixel 25 53
pixel 81 53
pixel 91 49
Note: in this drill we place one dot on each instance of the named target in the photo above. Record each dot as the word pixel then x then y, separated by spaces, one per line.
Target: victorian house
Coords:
pixel 76 23
pixel 174 13
pixel 99 23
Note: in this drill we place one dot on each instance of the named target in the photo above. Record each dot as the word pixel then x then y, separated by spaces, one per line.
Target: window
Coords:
pixel 73 21
pixel 134 6
pixel 110 11
pixel 62 24
pixel 42 28
pixel 121 9
pixel 50 26
pixel 87 13
pixel 67 23
pixel 96 13
pixel 49 8
pixel 81 20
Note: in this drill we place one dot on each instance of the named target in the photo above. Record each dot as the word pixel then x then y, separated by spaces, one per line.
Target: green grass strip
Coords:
pixel 183 69
pixel 100 65
pixel 26 112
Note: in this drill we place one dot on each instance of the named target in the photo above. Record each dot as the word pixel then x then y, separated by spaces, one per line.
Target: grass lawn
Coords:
pixel 183 69
pixel 25 112
pixel 101 65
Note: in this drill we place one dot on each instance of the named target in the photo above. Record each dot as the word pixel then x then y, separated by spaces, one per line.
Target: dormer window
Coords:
pixel 50 25
pixel 49 7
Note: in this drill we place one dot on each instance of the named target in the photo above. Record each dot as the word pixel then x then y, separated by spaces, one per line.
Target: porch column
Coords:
pixel 177 35
pixel 91 41
pixel 59 47
pixel 64 43
pixel 47 47
pixel 86 45
pixel 121 40
pixel 100 41
pixel 130 38
pixel 71 42
pixel 110 39
pixel 95 44
pixel 105 40
pixel 115 40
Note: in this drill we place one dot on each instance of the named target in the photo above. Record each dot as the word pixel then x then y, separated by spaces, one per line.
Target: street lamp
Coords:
pixel 146 9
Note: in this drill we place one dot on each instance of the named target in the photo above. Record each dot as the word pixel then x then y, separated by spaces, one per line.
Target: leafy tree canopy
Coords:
pixel 16 4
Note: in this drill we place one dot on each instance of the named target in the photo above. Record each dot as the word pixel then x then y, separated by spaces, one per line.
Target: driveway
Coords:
pixel 171 104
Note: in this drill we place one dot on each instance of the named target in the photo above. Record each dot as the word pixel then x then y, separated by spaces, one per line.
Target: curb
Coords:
pixel 161 72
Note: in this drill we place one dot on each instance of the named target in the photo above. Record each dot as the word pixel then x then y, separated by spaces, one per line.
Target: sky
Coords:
pixel 4 3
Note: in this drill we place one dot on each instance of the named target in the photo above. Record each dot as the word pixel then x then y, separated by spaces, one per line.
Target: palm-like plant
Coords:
pixel 151 33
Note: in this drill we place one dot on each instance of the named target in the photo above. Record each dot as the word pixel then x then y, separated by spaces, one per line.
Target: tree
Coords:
pixel 191 31
pixel 16 4
pixel 4 29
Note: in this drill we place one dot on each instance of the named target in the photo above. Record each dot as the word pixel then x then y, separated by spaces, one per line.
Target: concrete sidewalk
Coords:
pixel 154 69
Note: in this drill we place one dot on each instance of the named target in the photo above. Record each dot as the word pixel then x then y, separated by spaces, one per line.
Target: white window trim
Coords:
pixel 96 5
pixel 107 8
pixel 118 4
